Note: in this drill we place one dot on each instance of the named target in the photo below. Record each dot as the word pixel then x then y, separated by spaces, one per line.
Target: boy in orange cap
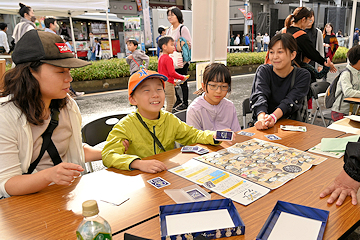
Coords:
pixel 149 130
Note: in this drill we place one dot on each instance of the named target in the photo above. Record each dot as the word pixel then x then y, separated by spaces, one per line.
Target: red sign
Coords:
pixel 249 15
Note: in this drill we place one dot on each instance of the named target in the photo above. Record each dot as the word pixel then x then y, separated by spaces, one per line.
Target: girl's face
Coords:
pixel 311 22
pixel 280 57
pixel 215 91
pixel 328 29
pixel 305 22
pixel 54 82
pixel 172 18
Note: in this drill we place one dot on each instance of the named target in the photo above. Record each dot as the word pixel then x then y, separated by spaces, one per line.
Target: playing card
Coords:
pixel 195 194
pixel 272 137
pixel 293 128
pixel 158 182
pixel 246 133
pixel 190 149
pixel 202 151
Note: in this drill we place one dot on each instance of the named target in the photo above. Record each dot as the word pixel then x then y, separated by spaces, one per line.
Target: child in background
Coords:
pixel 166 67
pixel 212 111
pixel 137 57
pixel 146 92
pixel 161 31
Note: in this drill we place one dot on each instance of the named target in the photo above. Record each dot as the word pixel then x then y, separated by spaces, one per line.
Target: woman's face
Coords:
pixel 172 18
pixel 328 29
pixel 280 57
pixel 54 82
pixel 305 22
pixel 311 22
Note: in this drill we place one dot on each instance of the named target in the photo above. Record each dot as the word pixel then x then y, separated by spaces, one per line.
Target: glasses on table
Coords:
pixel 215 87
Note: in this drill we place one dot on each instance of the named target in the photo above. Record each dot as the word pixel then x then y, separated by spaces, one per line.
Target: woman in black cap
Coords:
pixel 40 134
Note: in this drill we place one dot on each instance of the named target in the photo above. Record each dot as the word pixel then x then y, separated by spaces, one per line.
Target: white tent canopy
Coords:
pixel 63 8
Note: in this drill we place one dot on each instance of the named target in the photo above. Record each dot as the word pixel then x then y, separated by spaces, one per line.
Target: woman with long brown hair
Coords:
pixel 40 133
pixel 299 20
pixel 330 41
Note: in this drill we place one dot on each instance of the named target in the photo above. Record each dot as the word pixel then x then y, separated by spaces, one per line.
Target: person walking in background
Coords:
pixel 166 67
pixel 4 45
pixel 177 30
pixel 356 37
pixel 27 22
pixel 137 57
pixel 161 31
pixel 266 40
pixel 92 46
pixel 258 42
pixel 247 41
pixel 237 40
pixel 330 41
pixel 51 25
pixel 232 40
pixel 98 50
pixel 64 31
pixel 339 34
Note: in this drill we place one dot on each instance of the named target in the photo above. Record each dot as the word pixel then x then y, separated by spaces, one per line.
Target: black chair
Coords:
pixel 318 89
pixel 181 115
pixel 246 110
pixel 96 131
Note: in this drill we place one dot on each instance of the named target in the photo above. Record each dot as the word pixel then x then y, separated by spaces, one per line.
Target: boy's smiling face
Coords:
pixel 149 97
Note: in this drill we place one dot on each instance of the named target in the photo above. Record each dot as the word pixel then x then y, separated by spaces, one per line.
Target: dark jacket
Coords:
pixel 352 160
pixel 269 91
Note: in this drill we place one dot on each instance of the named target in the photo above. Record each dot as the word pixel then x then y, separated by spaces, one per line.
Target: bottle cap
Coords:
pixel 90 208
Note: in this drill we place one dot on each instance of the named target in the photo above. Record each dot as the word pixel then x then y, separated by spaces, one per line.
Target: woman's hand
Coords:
pixel 331 65
pixel 63 173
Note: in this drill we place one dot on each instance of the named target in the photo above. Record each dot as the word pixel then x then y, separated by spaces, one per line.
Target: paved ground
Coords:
pixel 95 105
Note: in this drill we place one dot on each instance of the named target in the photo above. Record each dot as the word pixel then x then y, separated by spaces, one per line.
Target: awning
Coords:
pixel 99 17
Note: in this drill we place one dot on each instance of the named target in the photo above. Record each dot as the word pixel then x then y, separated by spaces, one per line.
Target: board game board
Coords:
pixel 266 163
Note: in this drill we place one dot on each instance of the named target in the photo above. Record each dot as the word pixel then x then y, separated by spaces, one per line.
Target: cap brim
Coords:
pixel 157 75
pixel 67 62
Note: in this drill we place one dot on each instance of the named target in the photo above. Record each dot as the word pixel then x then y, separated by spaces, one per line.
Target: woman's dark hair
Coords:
pixel 98 40
pixel 164 40
pixel 24 9
pixel 177 12
pixel 298 14
pixel 24 92
pixel 216 72
pixel 287 41
pixel 332 28
pixel 354 55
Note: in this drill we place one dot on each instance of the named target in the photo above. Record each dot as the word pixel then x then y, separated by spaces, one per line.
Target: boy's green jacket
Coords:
pixel 167 129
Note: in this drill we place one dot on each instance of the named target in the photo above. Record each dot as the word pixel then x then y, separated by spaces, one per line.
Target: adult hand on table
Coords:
pixel 342 187
pixel 150 166
pixel 63 173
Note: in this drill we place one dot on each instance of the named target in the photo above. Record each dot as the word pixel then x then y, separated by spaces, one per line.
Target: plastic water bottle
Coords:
pixel 93 226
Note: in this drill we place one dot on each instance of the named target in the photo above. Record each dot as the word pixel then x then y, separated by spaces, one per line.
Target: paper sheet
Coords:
pixel 317 149
pixel 198 221
pixel 291 226
pixel 337 144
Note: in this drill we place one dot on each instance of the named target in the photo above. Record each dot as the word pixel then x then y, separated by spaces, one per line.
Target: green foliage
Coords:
pixel 341 53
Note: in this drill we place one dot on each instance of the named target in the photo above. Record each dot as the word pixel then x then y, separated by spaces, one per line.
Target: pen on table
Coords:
pixel 117 204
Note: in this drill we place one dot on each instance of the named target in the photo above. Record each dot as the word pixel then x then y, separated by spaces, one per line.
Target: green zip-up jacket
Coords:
pixel 167 129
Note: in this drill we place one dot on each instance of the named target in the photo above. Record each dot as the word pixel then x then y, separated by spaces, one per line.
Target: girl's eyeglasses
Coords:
pixel 215 87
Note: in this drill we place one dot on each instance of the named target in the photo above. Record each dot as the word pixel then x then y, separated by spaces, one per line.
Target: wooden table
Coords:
pixel 47 214
pixel 352 101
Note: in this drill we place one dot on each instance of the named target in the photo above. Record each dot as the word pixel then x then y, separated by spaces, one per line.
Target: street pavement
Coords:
pixel 95 105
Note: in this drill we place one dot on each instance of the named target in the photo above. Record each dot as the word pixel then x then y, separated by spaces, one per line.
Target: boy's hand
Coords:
pixel 186 77
pixel 150 166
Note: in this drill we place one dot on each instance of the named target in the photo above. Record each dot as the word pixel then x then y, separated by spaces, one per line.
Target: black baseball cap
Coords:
pixel 45 47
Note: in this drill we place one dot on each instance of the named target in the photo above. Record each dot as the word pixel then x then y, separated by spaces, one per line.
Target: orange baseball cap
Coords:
pixel 142 75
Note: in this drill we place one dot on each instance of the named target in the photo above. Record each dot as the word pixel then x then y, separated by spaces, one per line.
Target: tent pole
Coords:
pixel 72 34
pixel 109 34
pixel 352 24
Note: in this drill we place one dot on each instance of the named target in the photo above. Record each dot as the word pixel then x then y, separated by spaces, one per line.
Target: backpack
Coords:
pixel 183 46
pixel 330 97
pixel 295 35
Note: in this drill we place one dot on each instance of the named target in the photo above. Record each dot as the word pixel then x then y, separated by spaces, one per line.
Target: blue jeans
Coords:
pixel 258 47
pixel 265 47
pixel 92 58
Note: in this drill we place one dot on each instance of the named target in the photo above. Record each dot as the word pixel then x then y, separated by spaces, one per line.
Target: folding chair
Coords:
pixel 246 110
pixel 96 131
pixel 181 115
pixel 318 89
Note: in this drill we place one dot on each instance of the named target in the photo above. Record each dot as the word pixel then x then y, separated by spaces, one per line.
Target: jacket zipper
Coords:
pixel 154 140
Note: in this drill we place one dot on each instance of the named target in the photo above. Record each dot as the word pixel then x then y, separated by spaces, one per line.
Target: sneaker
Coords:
pixel 181 107
pixel 78 94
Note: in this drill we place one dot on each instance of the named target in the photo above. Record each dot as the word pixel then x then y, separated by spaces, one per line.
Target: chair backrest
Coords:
pixel 97 130
pixel 246 107
pixel 318 87
pixel 181 115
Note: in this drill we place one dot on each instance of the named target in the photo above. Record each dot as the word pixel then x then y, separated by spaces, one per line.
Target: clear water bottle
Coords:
pixel 93 226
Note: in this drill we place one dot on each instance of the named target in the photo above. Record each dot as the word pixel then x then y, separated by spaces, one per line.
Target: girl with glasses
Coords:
pixel 212 111
pixel 276 91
